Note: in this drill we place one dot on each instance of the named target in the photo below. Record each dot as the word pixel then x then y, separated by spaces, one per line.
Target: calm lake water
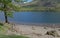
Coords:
pixel 33 17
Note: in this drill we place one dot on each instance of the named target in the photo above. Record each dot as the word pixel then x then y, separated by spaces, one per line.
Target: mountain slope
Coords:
pixel 52 5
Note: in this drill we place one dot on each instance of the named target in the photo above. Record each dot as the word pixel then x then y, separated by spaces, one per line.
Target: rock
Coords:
pixel 53 33
pixel 47 36
pixel 33 28
pixel 58 33
pixel 37 34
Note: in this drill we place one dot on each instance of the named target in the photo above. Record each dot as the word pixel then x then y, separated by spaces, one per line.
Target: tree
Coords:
pixel 8 6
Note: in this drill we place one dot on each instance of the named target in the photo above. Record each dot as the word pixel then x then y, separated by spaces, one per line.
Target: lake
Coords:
pixel 33 17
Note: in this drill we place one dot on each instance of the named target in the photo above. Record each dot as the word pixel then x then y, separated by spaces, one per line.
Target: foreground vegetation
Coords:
pixel 12 36
pixel 3 30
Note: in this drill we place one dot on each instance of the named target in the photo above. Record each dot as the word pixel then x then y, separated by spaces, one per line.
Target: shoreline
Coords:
pixel 34 31
pixel 37 24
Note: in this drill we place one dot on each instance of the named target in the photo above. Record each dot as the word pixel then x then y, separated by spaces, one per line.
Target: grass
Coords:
pixel 1 24
pixel 12 36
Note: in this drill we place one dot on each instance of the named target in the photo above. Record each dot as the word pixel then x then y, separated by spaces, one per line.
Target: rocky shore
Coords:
pixel 34 31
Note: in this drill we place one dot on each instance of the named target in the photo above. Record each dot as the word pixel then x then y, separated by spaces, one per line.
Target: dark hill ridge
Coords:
pixel 52 5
